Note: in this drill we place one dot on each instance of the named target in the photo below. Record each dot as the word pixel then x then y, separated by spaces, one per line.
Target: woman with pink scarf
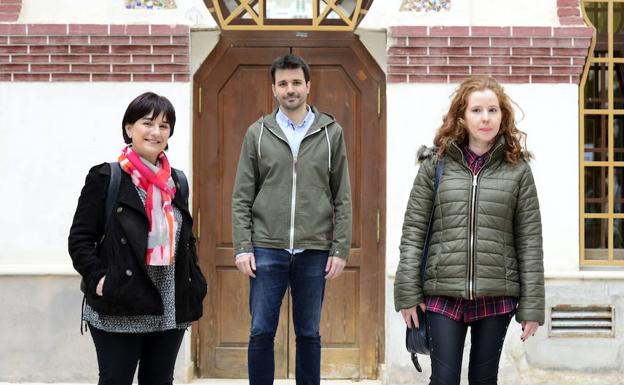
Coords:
pixel 141 279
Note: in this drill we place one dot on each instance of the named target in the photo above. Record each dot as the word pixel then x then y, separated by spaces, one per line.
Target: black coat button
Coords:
pixel 123 241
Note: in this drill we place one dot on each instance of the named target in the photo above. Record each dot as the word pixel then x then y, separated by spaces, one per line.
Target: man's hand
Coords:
pixel 411 317
pixel 334 267
pixel 99 289
pixel 246 263
pixel 528 329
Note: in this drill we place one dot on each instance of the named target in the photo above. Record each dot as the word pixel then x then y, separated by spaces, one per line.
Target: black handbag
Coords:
pixel 416 340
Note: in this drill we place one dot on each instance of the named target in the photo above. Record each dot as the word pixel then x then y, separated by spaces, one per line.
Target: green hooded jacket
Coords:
pixel 486 235
pixel 282 201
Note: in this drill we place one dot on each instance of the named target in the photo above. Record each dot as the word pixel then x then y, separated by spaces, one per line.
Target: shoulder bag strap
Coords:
pixel 113 191
pixel 184 187
pixel 436 184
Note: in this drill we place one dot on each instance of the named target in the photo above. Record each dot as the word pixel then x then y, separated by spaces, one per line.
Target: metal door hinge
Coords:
pixel 198 218
pixel 197 351
pixel 378 225
pixel 377 354
pixel 199 100
pixel 379 102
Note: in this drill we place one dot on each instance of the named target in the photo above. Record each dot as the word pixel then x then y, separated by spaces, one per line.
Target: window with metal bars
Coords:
pixel 602 137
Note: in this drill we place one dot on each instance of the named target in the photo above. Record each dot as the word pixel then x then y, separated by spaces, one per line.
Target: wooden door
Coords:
pixel 235 88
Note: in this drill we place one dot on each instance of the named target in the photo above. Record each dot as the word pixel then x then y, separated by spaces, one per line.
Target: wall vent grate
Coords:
pixel 582 321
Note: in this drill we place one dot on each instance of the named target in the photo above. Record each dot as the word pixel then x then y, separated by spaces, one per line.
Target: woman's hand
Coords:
pixel 99 289
pixel 528 329
pixel 410 316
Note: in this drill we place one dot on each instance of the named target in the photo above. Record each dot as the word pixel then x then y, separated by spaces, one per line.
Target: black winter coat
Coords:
pixel 120 253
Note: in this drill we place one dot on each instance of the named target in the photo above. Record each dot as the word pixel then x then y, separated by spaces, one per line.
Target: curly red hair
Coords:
pixel 454 128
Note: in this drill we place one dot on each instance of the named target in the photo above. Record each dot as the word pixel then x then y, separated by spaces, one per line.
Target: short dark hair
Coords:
pixel 143 105
pixel 290 62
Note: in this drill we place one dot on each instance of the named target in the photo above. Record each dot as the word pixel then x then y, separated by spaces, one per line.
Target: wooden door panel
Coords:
pixel 228 108
pixel 333 92
pixel 339 322
pixel 232 98
pixel 233 293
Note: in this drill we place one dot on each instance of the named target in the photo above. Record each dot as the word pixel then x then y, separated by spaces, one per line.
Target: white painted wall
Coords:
pixel 384 13
pixel 52 134
pixel 551 121
pixel 189 12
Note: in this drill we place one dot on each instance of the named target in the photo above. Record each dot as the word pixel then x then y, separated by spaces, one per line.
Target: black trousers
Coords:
pixel 119 353
pixel 446 342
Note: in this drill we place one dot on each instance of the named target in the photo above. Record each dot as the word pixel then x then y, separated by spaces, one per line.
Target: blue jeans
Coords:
pixel 276 269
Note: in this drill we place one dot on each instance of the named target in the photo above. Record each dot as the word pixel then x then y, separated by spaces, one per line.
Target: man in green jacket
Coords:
pixel 291 219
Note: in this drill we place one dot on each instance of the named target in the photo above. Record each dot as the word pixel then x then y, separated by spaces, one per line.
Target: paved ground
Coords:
pixel 234 382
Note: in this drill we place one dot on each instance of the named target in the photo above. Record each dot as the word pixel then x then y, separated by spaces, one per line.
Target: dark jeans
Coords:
pixel 446 341
pixel 276 269
pixel 119 353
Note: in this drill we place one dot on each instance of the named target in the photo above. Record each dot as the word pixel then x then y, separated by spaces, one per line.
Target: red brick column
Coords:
pixel 10 10
pixel 94 52
pixel 569 12
pixel 511 54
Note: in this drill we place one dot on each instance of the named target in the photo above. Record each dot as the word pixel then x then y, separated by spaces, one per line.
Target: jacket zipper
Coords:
pixel 472 253
pixel 293 202
pixel 471 259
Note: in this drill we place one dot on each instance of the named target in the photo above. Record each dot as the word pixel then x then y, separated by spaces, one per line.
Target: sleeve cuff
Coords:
pixel 242 250
pixel 339 252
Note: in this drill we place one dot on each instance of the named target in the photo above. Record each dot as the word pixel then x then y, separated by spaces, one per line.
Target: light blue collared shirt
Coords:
pixel 294 132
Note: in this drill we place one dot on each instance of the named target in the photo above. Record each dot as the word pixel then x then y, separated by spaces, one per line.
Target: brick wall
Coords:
pixel 511 54
pixel 94 52
pixel 10 10
pixel 569 12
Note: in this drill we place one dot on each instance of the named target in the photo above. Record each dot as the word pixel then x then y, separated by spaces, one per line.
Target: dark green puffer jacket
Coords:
pixel 486 236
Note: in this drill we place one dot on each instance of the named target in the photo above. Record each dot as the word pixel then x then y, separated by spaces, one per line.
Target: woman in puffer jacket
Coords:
pixel 485 255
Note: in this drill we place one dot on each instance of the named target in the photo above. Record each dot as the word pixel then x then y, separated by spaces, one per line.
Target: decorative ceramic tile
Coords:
pixel 150 4
pixel 425 5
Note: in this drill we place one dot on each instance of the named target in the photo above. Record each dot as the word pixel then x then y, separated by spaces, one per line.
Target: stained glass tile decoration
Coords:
pixel 425 5
pixel 150 4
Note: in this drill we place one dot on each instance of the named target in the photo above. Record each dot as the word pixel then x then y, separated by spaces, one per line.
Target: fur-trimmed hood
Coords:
pixel 425 152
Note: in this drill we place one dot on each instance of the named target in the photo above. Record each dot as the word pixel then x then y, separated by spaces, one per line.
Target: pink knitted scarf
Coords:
pixel 160 189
